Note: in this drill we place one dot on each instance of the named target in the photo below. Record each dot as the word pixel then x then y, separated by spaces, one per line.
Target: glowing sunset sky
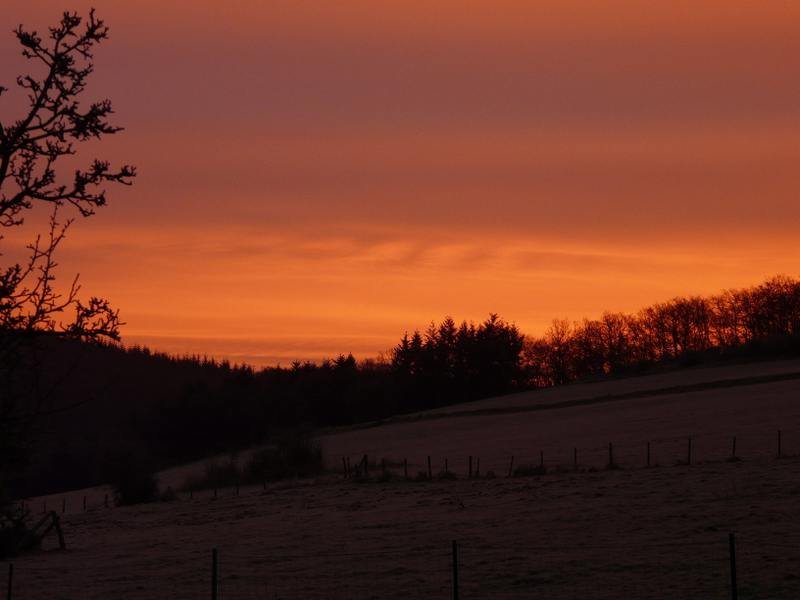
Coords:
pixel 319 176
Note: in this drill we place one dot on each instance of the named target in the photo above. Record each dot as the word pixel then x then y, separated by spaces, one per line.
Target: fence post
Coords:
pixel 455 570
pixel 366 465
pixel 733 448
pixel 84 503
pixel 214 574
pixel 779 443
pixel 732 552
pixel 574 459
pixel 689 452
pixel 511 466
pixel 470 468
pixel 344 467
pixel 648 454
pixel 610 455
pixel 10 580
pixel 430 470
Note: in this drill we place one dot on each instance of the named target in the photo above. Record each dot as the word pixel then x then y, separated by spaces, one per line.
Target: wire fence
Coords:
pixel 640 566
pixel 722 566
pixel 685 450
pixel 656 452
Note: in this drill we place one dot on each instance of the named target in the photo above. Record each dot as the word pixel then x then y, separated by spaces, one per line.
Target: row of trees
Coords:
pixel 449 363
pixel 683 329
pixel 196 406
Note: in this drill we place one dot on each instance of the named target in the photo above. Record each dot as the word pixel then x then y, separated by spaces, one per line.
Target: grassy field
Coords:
pixel 629 532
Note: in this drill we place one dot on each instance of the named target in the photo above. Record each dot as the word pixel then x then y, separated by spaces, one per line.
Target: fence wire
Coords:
pixel 596 569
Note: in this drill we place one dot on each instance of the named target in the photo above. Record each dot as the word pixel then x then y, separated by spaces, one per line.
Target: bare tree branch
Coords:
pixel 34 309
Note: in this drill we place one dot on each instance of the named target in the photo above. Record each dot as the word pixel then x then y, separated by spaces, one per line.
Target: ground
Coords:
pixel 574 532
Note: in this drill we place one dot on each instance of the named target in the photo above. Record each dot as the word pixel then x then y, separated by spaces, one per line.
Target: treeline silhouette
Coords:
pixel 165 409
pixel 759 320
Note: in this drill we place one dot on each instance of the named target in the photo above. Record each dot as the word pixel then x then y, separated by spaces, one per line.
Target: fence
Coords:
pixel 729 566
pixel 657 452
pixel 767 565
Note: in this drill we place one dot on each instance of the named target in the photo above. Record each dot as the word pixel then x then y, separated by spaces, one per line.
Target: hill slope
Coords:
pixel 711 405
pixel 634 532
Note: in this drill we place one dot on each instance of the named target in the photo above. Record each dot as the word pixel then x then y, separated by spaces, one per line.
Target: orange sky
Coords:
pixel 318 177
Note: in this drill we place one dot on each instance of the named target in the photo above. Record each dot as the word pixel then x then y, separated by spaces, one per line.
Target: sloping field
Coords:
pixel 574 532
pixel 672 381
pixel 750 402
pixel 649 533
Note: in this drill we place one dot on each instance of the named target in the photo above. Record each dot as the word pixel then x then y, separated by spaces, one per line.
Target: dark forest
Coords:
pixel 163 409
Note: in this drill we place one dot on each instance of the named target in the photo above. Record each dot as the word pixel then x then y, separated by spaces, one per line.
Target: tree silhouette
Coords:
pixel 32 308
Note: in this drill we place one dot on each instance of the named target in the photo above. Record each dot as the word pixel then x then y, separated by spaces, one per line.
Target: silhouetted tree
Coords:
pixel 33 309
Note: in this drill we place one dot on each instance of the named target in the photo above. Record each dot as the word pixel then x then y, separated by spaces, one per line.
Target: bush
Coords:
pixel 12 529
pixel 133 479
pixel 291 457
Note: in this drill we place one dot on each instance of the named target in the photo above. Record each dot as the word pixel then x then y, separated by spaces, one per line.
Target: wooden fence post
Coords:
pixel 59 532
pixel 344 467
pixel 732 553
pixel 689 452
pixel 430 470
pixel 610 455
pixel 10 580
pixel 469 473
pixel 733 447
pixel 648 454
pixel 511 466
pixel 779 443
pixel 574 459
pixel 366 465
pixel 455 570
pixel 84 504
pixel 214 574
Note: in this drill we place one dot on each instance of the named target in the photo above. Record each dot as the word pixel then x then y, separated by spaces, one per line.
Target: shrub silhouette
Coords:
pixel 133 479
pixel 294 456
